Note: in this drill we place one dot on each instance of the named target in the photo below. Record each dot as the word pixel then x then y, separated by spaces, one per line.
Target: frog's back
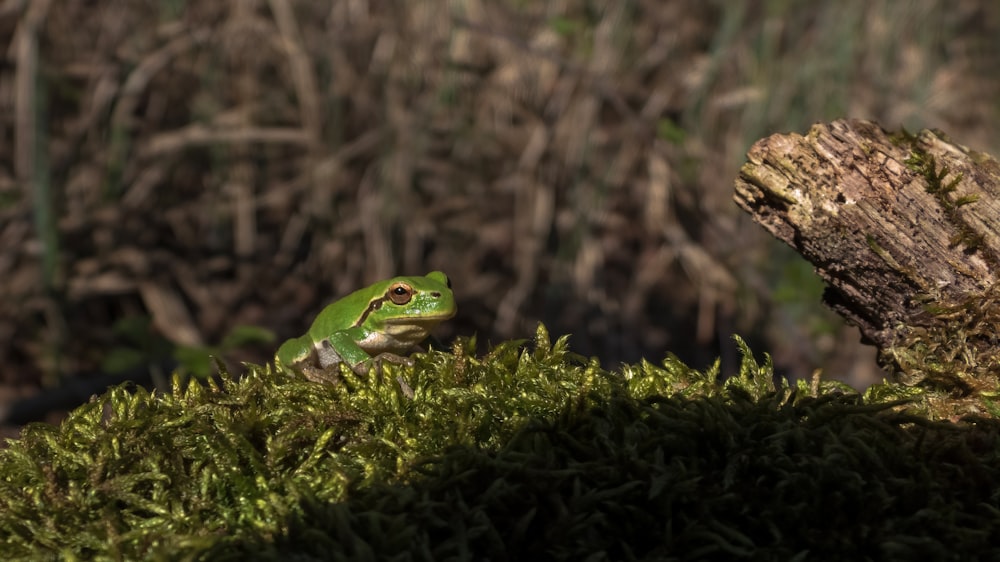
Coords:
pixel 344 313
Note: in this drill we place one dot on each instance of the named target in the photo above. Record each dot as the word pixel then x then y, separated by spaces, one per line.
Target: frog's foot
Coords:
pixel 392 358
pixel 329 375
pixel 399 360
pixel 405 387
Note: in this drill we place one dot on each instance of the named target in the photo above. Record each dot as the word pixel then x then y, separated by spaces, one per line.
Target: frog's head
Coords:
pixel 407 308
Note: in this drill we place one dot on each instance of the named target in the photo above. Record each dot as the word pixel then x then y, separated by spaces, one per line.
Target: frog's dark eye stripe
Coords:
pixel 398 293
pixel 372 307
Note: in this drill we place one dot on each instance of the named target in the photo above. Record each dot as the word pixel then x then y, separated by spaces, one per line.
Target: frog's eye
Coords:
pixel 400 293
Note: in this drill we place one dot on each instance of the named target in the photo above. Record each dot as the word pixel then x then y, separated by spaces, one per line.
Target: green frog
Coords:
pixel 378 323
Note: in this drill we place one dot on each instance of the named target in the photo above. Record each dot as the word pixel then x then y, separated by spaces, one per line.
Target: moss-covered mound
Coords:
pixel 718 478
pixel 521 454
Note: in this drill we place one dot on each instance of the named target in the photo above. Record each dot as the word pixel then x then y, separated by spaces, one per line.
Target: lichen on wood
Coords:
pixel 905 231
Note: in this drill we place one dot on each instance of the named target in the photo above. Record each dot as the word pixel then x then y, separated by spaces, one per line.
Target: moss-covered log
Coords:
pixel 904 229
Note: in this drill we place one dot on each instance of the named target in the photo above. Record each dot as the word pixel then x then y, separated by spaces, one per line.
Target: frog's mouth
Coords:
pixel 420 320
pixel 401 334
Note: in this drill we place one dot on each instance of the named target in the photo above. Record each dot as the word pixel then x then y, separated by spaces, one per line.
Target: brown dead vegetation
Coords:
pixel 211 164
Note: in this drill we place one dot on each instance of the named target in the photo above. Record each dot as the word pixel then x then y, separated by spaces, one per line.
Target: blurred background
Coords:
pixel 185 179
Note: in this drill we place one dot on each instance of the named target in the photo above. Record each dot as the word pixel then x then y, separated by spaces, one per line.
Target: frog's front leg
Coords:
pixel 326 365
pixel 341 348
pixel 326 354
pixel 392 358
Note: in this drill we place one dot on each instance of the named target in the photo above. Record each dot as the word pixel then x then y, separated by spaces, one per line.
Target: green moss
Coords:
pixel 924 164
pixel 902 138
pixel 718 477
pixel 949 348
pixel 523 453
pixel 881 252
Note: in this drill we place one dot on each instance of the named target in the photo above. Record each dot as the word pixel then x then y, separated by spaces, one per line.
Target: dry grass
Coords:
pixel 211 164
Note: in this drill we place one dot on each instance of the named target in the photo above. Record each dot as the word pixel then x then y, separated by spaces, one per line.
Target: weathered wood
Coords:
pixel 904 229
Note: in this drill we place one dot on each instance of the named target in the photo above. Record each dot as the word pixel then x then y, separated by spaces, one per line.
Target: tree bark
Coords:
pixel 904 229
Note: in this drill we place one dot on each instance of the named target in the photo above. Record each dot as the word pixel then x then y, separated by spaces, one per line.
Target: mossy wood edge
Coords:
pixel 905 231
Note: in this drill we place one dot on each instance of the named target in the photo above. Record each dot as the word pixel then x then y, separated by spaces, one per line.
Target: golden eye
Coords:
pixel 400 293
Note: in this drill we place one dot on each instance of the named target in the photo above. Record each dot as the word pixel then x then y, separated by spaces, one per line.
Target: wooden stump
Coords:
pixel 904 229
